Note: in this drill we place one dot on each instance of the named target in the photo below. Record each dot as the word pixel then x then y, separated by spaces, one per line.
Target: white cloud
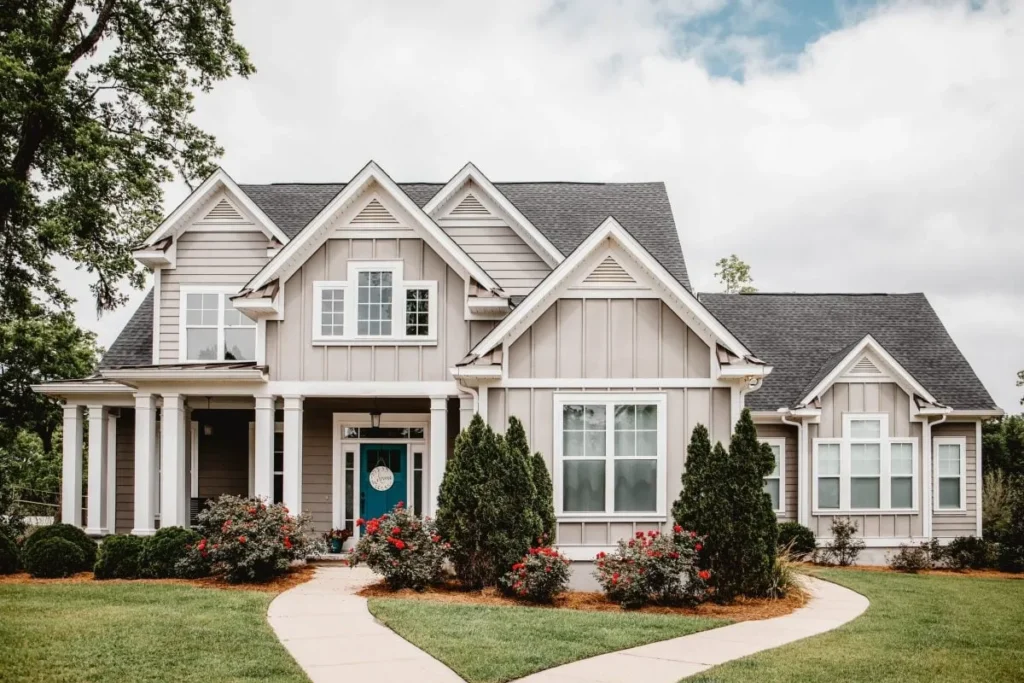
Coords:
pixel 888 158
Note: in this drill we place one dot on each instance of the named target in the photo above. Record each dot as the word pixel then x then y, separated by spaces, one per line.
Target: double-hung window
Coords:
pixel 774 483
pixel 212 329
pixel 375 303
pixel 865 469
pixel 610 454
pixel 950 474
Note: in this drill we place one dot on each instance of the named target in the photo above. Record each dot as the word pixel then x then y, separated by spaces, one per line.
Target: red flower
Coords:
pixel 615 578
pixel 241 539
pixel 704 574
pixel 639 534
pixel 287 542
pixel 693 534
pixel 397 531
pixel 547 569
pixel 360 521
pixel 202 544
pixel 601 555
pixel 399 544
pixel 400 505
pixel 677 529
pixel 698 547
pixel 435 538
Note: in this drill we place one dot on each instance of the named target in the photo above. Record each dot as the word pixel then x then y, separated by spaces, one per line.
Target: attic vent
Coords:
pixel 223 211
pixel 470 206
pixel 865 367
pixel 374 212
pixel 609 272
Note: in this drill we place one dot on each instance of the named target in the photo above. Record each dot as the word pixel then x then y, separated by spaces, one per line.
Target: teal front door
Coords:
pixel 382 486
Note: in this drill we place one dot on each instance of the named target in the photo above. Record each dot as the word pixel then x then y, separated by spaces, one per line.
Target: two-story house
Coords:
pixel 322 345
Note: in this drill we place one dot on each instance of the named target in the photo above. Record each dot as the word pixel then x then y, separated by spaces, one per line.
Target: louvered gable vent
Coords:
pixel 864 366
pixel 609 272
pixel 470 207
pixel 375 213
pixel 224 211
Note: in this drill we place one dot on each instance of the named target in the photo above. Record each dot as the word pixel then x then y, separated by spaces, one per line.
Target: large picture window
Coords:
pixel 374 304
pixel 212 329
pixel 610 454
pixel 865 469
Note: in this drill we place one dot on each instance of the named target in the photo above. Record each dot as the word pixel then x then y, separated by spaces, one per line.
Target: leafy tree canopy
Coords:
pixel 1003 445
pixel 734 275
pixel 96 101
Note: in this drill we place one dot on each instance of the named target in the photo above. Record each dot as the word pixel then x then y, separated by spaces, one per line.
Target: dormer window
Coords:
pixel 212 329
pixel 375 304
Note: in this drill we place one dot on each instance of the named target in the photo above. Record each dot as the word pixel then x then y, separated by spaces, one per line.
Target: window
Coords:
pixel 279 463
pixel 774 483
pixel 610 454
pixel 374 303
pixel 950 474
pixel 866 469
pixel 213 329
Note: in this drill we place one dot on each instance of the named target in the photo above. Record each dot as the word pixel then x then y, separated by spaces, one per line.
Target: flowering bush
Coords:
pixel 247 540
pixel 654 567
pixel 402 548
pixel 541 575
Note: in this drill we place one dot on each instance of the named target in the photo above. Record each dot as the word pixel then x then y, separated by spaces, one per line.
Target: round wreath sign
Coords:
pixel 382 478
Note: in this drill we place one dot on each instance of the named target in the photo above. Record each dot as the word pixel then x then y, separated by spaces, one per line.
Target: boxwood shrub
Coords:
pixel 165 549
pixel 9 555
pixel 53 557
pixel 119 557
pixel 70 533
pixel 797 538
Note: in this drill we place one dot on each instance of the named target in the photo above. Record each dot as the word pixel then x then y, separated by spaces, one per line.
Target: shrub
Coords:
pixel 119 557
pixel 70 533
pixel 654 567
pixel 969 552
pixel 9 556
pixel 1011 544
pixel 246 540
pixel 485 506
pixel 911 559
pixel 844 547
pixel 723 498
pixel 995 505
pixel 402 548
pixel 53 557
pixel 783 576
pixel 797 540
pixel 165 549
pixel 543 503
pixel 542 574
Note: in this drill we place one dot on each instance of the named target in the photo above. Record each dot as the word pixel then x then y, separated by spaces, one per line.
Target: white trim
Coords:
pixel 156 315
pixel 978 478
pixel 610 383
pixel 884 541
pixel 542 295
pixel 96 499
pixel 351 389
pixel 900 374
pixel 779 441
pixel 292 494
pixel 111 472
pixel 609 400
pixel 244 375
pixel 194 460
pixel 282 264
pixel 584 553
pixel 222 292
pixel 961 443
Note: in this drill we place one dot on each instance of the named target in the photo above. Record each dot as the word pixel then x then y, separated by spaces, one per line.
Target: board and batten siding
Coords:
pixel 292 355
pixel 503 254
pixel 790 466
pixel 886 398
pixel 222 258
pixel 953 524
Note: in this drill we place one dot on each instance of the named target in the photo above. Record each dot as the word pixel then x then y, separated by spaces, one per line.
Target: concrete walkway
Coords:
pixel 332 635
pixel 668 661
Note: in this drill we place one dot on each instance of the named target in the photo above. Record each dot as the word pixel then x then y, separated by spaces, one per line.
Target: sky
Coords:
pixel 848 146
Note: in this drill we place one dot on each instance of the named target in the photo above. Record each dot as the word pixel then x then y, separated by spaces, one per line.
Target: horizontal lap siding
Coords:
pixel 946 525
pixel 230 257
pixel 224 453
pixel 791 466
pixel 124 516
pixel 317 465
pixel 513 264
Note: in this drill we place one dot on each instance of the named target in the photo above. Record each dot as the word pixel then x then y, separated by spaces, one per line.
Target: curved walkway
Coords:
pixel 668 661
pixel 332 635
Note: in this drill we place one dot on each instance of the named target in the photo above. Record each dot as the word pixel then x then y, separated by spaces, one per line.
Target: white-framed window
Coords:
pixel 865 470
pixel 775 483
pixel 610 455
pixel 950 467
pixel 375 304
pixel 212 329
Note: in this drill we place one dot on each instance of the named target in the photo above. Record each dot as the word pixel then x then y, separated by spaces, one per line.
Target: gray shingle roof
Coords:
pixel 134 346
pixel 565 212
pixel 803 336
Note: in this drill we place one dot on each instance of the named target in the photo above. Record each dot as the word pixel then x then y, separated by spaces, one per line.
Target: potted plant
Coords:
pixel 335 538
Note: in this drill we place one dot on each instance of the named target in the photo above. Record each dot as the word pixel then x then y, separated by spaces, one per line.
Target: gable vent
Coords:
pixel 374 212
pixel 470 206
pixel 223 211
pixel 609 272
pixel 865 367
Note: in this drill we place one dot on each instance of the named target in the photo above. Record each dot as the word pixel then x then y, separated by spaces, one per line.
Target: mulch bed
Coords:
pixel 744 609
pixel 294 577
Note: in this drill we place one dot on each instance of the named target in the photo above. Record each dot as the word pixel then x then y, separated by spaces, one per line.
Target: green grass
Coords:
pixel 485 644
pixel 918 629
pixel 138 632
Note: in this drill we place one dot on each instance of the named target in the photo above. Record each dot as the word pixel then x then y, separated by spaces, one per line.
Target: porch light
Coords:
pixel 375 420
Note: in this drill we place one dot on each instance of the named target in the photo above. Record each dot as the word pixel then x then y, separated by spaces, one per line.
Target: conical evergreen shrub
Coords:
pixel 544 502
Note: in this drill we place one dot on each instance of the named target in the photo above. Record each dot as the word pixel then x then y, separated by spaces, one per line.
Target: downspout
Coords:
pixel 926 475
pixel 801 463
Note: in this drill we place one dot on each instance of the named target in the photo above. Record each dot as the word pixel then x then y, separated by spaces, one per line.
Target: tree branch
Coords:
pixel 89 42
pixel 60 21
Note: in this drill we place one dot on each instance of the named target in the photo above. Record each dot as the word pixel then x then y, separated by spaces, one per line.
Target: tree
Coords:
pixel 97 97
pixel 723 498
pixel 1003 445
pixel 734 275
pixel 544 502
pixel 1020 383
pixel 517 489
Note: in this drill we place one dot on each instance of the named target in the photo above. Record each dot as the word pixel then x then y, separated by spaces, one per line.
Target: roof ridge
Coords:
pixel 440 182
pixel 753 294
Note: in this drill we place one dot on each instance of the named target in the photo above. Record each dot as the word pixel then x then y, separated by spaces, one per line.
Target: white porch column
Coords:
pixel 263 481
pixel 71 476
pixel 145 465
pixel 465 411
pixel 438 447
pixel 97 503
pixel 173 468
pixel 111 473
pixel 292 453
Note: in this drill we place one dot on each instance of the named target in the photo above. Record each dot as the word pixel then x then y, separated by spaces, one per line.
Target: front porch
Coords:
pixel 155 459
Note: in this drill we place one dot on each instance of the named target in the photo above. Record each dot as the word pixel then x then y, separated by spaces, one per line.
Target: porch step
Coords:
pixel 328 559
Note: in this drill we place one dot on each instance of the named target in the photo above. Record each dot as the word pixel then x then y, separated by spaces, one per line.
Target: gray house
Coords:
pixel 322 345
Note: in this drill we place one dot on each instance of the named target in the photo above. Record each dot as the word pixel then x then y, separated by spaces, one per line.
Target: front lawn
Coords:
pixel 927 629
pixel 491 644
pixel 138 632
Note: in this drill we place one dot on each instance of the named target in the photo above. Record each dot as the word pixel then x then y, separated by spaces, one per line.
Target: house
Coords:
pixel 322 345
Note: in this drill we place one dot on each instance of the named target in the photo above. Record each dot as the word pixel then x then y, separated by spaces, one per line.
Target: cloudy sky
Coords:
pixel 838 147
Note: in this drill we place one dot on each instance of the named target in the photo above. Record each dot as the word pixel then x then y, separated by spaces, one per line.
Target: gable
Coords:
pixel 374 213
pixel 469 207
